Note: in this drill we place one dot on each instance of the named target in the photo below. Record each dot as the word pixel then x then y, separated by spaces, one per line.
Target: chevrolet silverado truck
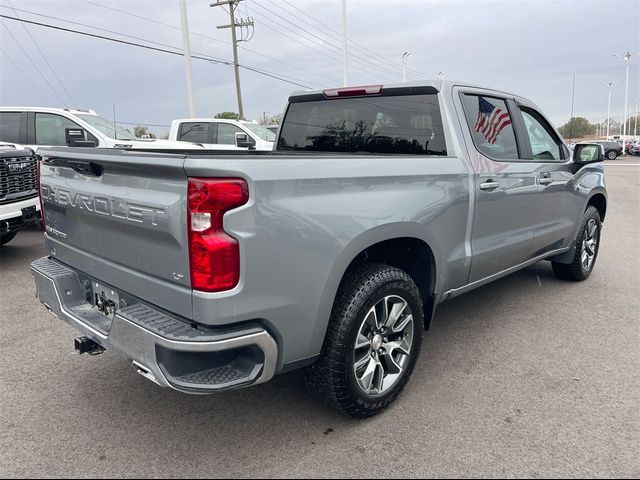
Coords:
pixel 19 205
pixel 331 253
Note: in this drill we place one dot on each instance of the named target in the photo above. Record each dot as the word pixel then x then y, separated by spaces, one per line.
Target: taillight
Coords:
pixel 214 256
pixel 353 91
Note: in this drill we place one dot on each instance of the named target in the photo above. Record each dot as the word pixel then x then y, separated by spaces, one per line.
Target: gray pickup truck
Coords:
pixel 331 253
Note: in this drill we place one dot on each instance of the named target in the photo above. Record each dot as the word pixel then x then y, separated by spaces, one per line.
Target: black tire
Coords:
pixel 576 270
pixel 612 154
pixel 6 238
pixel 333 378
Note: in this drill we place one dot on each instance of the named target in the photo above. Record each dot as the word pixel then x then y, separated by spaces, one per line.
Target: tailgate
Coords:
pixel 120 217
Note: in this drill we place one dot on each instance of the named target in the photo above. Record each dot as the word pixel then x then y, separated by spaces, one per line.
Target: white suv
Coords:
pixel 38 127
pixel 223 134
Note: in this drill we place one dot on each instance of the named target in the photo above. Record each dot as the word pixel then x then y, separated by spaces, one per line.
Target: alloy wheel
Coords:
pixel 383 345
pixel 589 244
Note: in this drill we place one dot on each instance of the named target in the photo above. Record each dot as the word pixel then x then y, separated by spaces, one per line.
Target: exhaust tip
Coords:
pixel 145 372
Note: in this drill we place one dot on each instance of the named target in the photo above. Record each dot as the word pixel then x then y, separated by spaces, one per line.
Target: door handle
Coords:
pixel 545 179
pixel 489 185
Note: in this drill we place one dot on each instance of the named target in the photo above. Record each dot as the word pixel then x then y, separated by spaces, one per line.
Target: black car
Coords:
pixel 611 149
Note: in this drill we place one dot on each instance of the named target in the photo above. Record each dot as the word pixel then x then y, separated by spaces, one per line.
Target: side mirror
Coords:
pixel 584 153
pixel 77 137
pixel 244 141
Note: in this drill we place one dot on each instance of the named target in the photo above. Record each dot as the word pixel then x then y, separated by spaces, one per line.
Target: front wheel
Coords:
pixel 373 341
pixel 587 246
pixel 612 155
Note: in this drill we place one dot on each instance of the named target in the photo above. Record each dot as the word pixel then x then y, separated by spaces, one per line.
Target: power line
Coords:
pixel 321 44
pixel 27 78
pixel 157 49
pixel 233 24
pixel 320 41
pixel 368 51
pixel 33 63
pixel 43 55
pixel 371 58
pixel 202 35
pixel 159 43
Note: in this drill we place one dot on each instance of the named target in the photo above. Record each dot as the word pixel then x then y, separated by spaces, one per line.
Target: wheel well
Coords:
pixel 412 256
pixel 600 202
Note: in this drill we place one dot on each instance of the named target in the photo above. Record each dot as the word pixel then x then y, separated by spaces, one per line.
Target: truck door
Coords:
pixel 557 211
pixel 505 185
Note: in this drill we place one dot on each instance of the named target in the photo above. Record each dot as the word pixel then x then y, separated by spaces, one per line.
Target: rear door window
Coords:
pixel 10 127
pixel 491 126
pixel 196 132
pixel 398 124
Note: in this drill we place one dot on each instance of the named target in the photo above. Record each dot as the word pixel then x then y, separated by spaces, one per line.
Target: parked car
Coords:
pixel 223 134
pixel 331 253
pixel 19 204
pixel 635 148
pixel 611 149
pixel 38 127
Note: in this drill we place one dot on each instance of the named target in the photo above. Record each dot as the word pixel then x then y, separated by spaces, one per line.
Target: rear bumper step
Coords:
pixel 164 349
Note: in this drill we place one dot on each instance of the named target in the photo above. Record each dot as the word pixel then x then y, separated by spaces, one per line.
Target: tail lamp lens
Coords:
pixel 214 255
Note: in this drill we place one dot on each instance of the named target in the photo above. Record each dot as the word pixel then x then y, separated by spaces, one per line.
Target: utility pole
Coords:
pixel 187 56
pixel 345 74
pixel 248 22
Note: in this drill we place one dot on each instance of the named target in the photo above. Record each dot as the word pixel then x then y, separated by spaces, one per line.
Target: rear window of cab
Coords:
pixel 399 124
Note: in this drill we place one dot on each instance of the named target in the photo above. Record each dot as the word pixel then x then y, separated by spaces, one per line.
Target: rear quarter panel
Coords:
pixel 310 216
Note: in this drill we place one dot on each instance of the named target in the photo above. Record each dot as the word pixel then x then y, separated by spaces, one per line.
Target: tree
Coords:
pixel 227 115
pixel 271 119
pixel 142 132
pixel 577 127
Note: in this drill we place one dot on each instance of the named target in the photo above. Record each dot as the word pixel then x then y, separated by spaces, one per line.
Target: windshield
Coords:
pixel 107 127
pixel 261 131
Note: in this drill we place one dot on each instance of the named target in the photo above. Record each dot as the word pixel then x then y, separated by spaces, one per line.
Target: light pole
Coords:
pixel 609 85
pixel 627 60
pixel 187 56
pixel 345 72
pixel 405 57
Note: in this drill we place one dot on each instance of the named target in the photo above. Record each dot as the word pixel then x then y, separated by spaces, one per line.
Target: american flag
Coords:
pixel 491 120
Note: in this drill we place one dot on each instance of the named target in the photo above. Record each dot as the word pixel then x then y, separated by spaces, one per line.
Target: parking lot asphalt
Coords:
pixel 527 377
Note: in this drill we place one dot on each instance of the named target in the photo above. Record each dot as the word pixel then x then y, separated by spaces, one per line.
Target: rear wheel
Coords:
pixel 587 246
pixel 372 344
pixel 7 237
pixel 612 155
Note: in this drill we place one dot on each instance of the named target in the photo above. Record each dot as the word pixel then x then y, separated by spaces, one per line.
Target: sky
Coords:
pixel 530 48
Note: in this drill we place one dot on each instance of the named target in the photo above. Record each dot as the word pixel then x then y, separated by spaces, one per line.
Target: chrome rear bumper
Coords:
pixel 163 349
